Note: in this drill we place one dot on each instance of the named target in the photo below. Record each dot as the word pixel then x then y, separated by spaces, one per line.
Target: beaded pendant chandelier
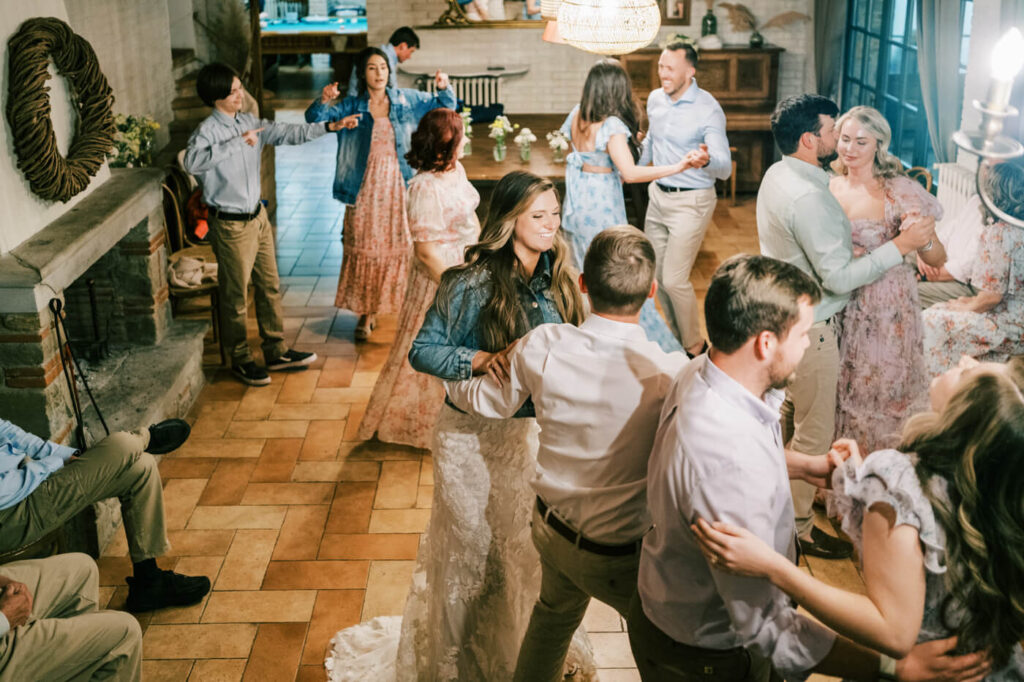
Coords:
pixel 609 27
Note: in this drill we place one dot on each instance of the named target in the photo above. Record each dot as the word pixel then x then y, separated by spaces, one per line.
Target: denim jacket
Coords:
pixel 446 344
pixel 407 108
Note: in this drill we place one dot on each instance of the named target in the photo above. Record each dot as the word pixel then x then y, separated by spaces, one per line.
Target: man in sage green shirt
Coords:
pixel 800 222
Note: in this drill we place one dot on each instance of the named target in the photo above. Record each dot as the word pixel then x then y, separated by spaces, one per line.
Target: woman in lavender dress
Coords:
pixel 881 370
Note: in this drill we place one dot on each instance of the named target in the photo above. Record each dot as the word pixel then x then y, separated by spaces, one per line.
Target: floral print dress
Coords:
pixel 593 203
pixel 881 355
pixel 376 246
pixel 993 335
pixel 405 404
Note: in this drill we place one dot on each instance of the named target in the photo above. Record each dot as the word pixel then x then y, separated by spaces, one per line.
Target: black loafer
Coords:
pixel 168 435
pixel 165 589
pixel 825 546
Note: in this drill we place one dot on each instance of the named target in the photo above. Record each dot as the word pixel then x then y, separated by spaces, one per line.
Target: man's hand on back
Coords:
pixel 16 603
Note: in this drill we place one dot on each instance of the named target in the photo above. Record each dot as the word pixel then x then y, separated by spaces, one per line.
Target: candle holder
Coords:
pixel 987 141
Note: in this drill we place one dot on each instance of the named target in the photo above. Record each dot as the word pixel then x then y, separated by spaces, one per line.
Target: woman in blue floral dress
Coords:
pixel 603 129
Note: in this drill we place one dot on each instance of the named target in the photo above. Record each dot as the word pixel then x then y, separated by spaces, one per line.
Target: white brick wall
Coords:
pixel 132 41
pixel 557 72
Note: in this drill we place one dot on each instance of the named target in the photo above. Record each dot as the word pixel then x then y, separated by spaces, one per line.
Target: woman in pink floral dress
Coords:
pixel 990 324
pixel 442 218
pixel 881 358
pixel 370 180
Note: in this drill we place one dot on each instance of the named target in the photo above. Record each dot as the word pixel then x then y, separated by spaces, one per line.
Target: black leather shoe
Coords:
pixel 165 589
pixel 168 435
pixel 825 546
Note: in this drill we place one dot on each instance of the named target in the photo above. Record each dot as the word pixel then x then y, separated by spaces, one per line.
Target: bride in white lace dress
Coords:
pixel 477 573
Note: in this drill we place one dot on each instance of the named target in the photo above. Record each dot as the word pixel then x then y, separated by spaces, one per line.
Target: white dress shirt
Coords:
pixel 597 390
pixel 718 456
pixel 960 234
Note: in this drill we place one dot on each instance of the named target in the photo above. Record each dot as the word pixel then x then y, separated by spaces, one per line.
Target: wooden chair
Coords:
pixel 922 175
pixel 173 190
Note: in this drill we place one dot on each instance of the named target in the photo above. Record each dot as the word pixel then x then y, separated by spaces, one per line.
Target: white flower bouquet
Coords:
pixel 525 136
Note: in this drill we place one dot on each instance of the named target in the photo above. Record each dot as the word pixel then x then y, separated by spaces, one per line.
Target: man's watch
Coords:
pixel 886 668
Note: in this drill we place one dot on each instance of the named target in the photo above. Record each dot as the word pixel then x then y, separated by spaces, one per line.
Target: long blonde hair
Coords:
pixel 976 445
pixel 503 319
pixel 885 164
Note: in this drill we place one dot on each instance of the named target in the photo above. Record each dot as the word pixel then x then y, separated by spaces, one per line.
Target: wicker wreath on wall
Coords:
pixel 50 175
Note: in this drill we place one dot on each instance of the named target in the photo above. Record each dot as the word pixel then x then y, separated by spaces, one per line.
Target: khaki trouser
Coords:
pixel 659 658
pixel 245 252
pixel 66 638
pixel 675 224
pixel 570 576
pixel 930 293
pixel 117 466
pixel 809 412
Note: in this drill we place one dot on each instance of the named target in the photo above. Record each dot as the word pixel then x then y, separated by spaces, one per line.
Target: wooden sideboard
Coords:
pixel 745 82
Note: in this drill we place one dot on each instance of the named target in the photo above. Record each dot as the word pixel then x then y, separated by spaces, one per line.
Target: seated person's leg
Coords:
pixel 64 637
pixel 930 293
pixel 118 466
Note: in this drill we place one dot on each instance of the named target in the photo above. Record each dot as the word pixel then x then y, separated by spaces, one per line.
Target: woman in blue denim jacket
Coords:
pixel 370 180
pixel 476 560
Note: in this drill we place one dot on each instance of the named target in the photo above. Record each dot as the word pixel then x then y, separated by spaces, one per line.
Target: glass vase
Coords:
pixel 709 24
pixel 558 155
pixel 524 152
pixel 499 151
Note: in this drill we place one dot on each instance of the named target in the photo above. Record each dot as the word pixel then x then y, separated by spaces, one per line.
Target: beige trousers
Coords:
pixel 676 223
pixel 930 293
pixel 809 412
pixel 117 466
pixel 66 637
pixel 570 576
pixel 245 252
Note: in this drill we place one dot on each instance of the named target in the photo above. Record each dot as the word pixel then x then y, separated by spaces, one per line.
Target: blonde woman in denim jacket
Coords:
pixel 370 180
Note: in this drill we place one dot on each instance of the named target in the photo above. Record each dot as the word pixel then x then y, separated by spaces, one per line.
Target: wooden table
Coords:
pixel 483 171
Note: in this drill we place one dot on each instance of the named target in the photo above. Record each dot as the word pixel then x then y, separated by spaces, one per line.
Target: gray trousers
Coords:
pixel 117 466
pixel 66 637
pixel 570 576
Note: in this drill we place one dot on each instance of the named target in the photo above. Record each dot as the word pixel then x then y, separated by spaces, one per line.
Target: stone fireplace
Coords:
pixel 105 259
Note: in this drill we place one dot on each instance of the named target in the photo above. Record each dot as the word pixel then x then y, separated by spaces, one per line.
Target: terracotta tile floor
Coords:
pixel 302 529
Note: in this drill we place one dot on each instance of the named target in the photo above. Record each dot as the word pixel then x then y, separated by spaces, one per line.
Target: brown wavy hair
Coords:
pixel 609 92
pixel 503 319
pixel 976 445
pixel 434 145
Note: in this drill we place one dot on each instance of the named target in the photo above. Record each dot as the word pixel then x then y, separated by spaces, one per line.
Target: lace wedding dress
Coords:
pixel 477 573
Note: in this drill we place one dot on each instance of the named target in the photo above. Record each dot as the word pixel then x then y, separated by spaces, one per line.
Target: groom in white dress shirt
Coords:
pixel 597 390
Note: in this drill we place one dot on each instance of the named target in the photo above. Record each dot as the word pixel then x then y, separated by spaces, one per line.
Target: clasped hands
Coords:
pixel 15 602
pixel 695 158
pixel 916 232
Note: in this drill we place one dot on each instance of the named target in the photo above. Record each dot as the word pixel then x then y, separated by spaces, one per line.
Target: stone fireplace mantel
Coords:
pixel 45 264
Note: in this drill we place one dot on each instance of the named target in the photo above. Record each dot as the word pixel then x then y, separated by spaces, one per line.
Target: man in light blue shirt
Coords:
pixel 400 46
pixel 224 154
pixel 686 122
pixel 44 484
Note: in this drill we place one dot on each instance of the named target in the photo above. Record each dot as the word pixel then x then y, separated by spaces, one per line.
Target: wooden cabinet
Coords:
pixel 745 82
